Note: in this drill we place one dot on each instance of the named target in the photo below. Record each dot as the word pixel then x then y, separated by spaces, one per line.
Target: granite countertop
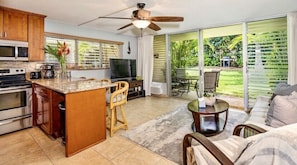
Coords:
pixel 72 85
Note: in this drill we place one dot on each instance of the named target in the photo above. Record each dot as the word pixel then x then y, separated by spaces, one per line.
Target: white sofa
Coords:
pixel 277 146
pixel 279 138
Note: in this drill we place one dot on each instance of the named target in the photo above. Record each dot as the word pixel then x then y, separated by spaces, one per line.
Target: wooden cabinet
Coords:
pixel 135 89
pixel 14 24
pixel 42 107
pixel 45 110
pixel 85 119
pixel 24 26
pixel 36 37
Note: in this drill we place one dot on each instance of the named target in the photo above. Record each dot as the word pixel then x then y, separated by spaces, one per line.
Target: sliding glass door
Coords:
pixel 252 58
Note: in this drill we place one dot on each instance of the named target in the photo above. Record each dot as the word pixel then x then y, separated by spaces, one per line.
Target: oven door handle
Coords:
pixel 14 89
pixel 14 120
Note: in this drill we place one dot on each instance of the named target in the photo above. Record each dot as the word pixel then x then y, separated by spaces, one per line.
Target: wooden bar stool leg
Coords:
pixel 112 121
pixel 124 117
pixel 115 116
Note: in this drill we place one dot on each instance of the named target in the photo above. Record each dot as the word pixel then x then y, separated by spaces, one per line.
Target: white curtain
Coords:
pixel 292 48
pixel 145 61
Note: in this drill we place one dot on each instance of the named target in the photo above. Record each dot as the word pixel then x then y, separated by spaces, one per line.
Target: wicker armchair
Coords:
pixel 240 130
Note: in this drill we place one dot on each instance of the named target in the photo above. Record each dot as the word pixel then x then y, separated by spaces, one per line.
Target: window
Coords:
pixel 85 53
pixel 267 55
pixel 53 43
pixel 159 70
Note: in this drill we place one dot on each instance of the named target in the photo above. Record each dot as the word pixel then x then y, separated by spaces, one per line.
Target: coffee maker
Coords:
pixel 48 71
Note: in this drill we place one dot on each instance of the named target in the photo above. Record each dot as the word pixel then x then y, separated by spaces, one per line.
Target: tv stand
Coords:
pixel 135 89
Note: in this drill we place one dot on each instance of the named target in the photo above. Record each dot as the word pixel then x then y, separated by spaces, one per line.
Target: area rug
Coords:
pixel 164 134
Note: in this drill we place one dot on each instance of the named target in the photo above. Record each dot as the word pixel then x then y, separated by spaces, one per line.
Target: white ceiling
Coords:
pixel 196 13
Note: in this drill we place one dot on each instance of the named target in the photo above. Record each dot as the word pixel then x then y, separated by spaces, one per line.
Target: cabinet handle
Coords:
pixel 5 34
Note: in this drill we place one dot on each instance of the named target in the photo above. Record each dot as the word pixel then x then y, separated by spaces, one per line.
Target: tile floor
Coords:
pixel 32 146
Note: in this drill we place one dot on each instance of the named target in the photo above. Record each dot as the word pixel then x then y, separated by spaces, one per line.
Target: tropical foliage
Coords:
pixel 218 47
pixel 184 53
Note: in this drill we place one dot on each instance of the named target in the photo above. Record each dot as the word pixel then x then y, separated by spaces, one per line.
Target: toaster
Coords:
pixel 35 75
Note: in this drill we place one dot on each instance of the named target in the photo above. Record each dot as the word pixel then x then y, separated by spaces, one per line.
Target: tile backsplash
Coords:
pixel 29 66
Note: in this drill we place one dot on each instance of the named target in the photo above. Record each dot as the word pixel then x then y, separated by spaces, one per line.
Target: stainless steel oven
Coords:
pixel 15 101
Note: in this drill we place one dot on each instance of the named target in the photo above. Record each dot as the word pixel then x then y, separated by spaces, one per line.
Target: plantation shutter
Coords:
pixel 85 53
pixel 88 55
pixel 53 43
pixel 159 46
pixel 109 51
pixel 267 56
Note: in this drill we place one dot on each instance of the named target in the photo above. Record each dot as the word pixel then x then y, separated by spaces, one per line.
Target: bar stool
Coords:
pixel 117 100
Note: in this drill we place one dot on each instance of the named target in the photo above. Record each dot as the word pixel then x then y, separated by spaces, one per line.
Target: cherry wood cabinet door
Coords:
pixel 36 37
pixel 43 113
pixel 15 25
pixel 1 24
pixel 43 108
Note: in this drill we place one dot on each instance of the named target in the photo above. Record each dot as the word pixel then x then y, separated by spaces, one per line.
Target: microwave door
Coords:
pixel 22 53
pixel 7 52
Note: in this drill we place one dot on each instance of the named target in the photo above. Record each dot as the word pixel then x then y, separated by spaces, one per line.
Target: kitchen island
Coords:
pixel 85 115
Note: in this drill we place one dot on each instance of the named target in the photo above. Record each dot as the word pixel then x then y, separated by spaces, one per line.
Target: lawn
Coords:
pixel 231 83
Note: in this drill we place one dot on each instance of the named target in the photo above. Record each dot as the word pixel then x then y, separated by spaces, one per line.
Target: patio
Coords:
pixel 235 102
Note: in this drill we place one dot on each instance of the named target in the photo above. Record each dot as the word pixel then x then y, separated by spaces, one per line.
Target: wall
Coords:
pixel 57 27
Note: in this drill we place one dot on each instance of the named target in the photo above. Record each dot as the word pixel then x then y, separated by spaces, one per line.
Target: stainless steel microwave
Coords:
pixel 13 50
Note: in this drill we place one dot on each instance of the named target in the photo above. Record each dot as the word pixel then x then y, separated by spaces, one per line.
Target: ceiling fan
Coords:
pixel 141 19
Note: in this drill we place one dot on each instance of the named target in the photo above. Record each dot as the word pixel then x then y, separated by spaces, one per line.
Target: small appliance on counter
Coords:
pixel 48 71
pixel 35 75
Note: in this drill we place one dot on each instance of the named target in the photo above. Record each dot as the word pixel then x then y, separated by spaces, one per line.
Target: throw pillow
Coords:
pixel 283 89
pixel 277 146
pixel 282 111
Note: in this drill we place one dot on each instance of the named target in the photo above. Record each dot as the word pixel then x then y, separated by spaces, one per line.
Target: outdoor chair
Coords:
pixel 181 82
pixel 211 81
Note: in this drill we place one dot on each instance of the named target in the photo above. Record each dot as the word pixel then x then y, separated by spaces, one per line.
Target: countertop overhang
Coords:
pixel 72 85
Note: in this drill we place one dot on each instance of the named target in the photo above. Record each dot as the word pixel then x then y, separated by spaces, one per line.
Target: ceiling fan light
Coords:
pixel 141 24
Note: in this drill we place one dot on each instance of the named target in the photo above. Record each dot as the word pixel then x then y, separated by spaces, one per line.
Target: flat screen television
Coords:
pixel 122 69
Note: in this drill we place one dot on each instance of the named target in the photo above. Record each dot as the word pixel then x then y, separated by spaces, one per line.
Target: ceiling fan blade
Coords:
pixel 167 19
pixel 130 24
pixel 154 26
pixel 115 18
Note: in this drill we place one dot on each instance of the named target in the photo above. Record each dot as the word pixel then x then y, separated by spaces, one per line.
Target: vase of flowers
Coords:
pixel 59 52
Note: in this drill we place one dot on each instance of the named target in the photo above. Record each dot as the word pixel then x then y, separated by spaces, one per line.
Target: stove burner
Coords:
pixel 13 77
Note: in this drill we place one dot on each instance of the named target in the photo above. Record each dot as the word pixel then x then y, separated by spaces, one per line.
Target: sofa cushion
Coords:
pixel 232 147
pixel 278 146
pixel 259 112
pixel 283 89
pixel 282 111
